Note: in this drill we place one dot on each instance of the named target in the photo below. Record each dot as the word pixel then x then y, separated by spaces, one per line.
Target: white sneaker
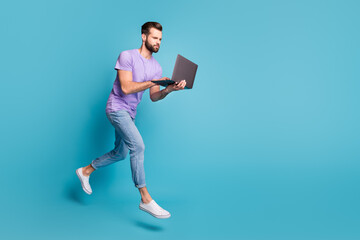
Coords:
pixel 84 181
pixel 154 209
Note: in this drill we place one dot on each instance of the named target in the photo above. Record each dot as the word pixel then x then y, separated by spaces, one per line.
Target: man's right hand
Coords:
pixel 164 84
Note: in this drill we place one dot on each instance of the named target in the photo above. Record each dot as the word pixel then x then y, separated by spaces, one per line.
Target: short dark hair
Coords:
pixel 145 28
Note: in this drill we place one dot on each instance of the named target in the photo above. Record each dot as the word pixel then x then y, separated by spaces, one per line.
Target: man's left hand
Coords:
pixel 176 86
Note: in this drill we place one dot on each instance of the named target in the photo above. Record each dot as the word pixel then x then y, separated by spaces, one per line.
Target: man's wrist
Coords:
pixel 152 84
pixel 166 90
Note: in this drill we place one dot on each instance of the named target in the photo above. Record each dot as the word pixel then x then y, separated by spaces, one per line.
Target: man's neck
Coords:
pixel 144 52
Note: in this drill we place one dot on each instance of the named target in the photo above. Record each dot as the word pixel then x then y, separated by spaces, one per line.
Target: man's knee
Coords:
pixel 138 147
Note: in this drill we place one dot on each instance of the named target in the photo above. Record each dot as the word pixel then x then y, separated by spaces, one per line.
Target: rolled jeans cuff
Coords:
pixel 140 186
pixel 93 166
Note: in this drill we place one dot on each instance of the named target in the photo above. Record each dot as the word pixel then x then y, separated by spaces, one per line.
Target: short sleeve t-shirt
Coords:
pixel 142 70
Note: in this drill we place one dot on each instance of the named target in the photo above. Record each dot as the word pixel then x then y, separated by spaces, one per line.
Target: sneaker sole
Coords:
pixel 82 185
pixel 154 215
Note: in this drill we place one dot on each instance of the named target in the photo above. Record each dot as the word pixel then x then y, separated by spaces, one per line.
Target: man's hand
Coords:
pixel 156 94
pixel 175 87
pixel 163 81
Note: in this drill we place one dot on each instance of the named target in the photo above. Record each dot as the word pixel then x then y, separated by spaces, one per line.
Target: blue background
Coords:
pixel 266 145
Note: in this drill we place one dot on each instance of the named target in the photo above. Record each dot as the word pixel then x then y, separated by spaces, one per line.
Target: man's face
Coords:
pixel 153 40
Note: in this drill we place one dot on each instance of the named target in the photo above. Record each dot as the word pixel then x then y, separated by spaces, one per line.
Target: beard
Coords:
pixel 151 48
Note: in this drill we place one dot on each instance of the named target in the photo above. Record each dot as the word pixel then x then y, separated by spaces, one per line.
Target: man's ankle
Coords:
pixel 146 200
pixel 85 172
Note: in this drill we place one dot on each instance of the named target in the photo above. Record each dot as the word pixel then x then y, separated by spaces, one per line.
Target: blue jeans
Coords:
pixel 127 137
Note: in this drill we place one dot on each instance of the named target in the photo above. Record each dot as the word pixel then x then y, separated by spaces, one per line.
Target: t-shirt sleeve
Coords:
pixel 124 62
pixel 158 73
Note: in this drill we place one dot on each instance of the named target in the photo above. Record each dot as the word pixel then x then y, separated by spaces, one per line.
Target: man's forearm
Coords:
pixel 159 95
pixel 134 87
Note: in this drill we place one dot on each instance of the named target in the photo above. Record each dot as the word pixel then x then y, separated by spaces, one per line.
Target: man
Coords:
pixel 136 69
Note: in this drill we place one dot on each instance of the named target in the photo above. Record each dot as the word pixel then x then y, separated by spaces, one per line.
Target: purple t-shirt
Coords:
pixel 142 70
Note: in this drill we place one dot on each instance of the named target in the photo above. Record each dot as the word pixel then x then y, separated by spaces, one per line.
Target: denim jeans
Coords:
pixel 127 137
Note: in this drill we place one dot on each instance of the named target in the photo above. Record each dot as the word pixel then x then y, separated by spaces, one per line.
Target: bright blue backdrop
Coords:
pixel 266 145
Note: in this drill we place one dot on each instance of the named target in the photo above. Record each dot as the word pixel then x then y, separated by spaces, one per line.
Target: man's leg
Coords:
pixel 145 196
pixel 132 138
pixel 118 153
pixel 137 148
pixel 87 170
pixel 128 132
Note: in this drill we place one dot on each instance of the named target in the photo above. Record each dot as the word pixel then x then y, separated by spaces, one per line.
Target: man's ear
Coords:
pixel 143 36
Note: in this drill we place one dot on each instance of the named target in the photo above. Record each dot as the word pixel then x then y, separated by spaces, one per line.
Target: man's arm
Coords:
pixel 127 84
pixel 156 94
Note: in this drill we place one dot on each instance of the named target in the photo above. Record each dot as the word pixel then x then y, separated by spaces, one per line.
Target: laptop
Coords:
pixel 184 70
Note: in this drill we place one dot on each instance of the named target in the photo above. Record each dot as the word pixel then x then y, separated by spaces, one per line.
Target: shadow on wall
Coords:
pixel 74 193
